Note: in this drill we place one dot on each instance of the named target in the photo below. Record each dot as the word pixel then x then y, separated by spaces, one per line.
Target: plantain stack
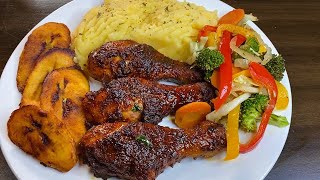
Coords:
pixel 48 36
pixel 50 121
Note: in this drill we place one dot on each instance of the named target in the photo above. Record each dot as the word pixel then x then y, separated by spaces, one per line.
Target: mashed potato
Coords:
pixel 167 25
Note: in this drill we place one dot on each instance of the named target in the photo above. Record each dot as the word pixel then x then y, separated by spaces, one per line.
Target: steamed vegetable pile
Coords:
pixel 236 61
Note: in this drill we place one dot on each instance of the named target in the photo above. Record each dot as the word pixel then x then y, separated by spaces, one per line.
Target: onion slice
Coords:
pixel 268 56
pixel 246 18
pixel 245 88
pixel 195 48
pixel 241 63
pixel 216 115
pixel 244 80
pixel 243 53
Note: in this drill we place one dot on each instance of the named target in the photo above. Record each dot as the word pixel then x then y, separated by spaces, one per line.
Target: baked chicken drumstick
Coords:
pixel 142 150
pixel 137 99
pixel 126 58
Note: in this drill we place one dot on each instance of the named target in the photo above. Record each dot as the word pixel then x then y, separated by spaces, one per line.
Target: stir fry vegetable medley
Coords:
pixel 237 62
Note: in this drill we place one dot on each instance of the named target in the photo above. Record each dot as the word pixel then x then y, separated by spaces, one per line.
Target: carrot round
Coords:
pixel 232 17
pixel 191 114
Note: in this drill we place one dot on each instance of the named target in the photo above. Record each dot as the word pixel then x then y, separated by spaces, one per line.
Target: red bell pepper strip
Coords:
pixel 225 70
pixel 262 76
pixel 240 40
pixel 205 31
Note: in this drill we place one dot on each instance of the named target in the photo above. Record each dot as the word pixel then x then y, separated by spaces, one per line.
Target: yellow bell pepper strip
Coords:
pixel 262 49
pixel 262 76
pixel 244 73
pixel 239 31
pixel 235 30
pixel 211 42
pixel 205 31
pixel 225 79
pixel 232 17
pixel 283 97
pixel 232 134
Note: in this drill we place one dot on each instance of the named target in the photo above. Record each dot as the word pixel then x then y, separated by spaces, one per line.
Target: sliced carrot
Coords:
pixel 215 79
pixel 283 97
pixel 191 114
pixel 232 17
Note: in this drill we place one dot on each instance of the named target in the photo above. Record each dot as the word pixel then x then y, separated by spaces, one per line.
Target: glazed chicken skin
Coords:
pixel 137 99
pixel 126 58
pixel 143 150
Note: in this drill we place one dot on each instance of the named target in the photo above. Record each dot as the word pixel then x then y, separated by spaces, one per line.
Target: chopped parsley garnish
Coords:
pixel 136 108
pixel 144 140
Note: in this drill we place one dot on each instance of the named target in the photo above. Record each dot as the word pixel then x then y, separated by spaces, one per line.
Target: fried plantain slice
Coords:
pixel 43 136
pixel 53 59
pixel 62 92
pixel 45 37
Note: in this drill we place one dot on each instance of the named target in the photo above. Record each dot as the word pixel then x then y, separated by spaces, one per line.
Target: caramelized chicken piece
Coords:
pixel 136 99
pixel 127 58
pixel 143 150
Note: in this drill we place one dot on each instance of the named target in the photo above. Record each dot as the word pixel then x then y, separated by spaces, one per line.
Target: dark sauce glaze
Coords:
pixel 116 100
pixel 112 149
pixel 126 58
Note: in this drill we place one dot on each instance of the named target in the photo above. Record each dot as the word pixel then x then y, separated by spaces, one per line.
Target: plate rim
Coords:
pixel 253 25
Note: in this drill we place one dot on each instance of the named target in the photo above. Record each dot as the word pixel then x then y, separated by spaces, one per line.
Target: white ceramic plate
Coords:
pixel 251 166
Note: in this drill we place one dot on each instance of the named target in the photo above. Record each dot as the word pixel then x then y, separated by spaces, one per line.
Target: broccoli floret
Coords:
pixel 279 121
pixel 251 45
pixel 208 60
pixel 249 120
pixel 207 76
pixel 251 110
pixel 276 67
